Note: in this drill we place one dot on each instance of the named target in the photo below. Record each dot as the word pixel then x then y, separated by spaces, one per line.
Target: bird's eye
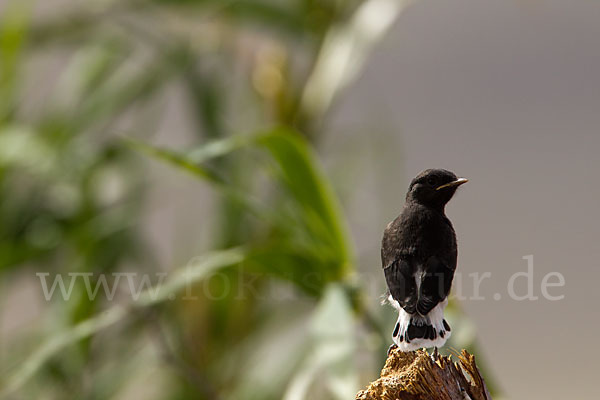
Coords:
pixel 431 180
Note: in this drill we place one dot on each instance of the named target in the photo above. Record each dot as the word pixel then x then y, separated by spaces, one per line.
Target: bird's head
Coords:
pixel 434 188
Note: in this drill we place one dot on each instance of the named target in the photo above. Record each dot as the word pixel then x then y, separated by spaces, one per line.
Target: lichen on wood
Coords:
pixel 418 375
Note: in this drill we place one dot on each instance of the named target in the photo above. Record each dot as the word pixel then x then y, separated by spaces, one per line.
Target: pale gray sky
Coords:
pixel 506 93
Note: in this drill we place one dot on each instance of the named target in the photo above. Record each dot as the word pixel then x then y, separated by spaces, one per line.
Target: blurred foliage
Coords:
pixel 258 77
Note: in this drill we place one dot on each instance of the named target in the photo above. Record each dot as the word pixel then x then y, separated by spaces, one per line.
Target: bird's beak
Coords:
pixel 455 183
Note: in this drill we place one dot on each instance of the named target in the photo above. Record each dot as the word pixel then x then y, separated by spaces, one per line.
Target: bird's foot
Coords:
pixel 392 347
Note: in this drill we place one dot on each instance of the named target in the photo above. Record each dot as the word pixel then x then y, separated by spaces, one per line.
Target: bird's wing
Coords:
pixel 402 285
pixel 435 284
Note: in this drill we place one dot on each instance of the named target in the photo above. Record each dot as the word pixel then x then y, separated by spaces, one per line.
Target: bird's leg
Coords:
pixel 392 347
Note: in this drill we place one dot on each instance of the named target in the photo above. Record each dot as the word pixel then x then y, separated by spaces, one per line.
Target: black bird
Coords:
pixel 419 254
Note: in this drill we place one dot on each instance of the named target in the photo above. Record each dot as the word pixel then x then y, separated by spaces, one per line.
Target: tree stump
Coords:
pixel 418 375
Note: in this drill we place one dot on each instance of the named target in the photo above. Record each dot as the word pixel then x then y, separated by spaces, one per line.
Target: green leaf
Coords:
pixel 319 228
pixel 286 263
pixel 303 177
pixel 178 160
pixel 192 164
pixel 311 245
pixel 345 50
pixel 298 171
pixel 14 26
pixel 333 347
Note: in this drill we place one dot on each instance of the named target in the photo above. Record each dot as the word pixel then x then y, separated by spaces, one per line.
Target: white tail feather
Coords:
pixel 435 319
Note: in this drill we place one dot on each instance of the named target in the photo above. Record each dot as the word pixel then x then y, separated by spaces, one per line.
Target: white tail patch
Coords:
pixel 433 323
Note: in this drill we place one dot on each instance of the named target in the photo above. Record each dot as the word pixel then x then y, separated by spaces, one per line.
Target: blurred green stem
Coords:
pixel 181 279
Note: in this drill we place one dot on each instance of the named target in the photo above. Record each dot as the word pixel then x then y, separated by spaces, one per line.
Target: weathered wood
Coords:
pixel 418 375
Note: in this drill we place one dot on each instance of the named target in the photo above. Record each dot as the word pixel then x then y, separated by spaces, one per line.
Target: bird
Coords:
pixel 419 257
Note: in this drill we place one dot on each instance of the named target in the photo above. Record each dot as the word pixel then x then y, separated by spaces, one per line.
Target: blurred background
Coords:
pixel 244 157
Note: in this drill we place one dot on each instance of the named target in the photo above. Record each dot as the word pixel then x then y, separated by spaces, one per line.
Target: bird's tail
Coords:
pixel 413 331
